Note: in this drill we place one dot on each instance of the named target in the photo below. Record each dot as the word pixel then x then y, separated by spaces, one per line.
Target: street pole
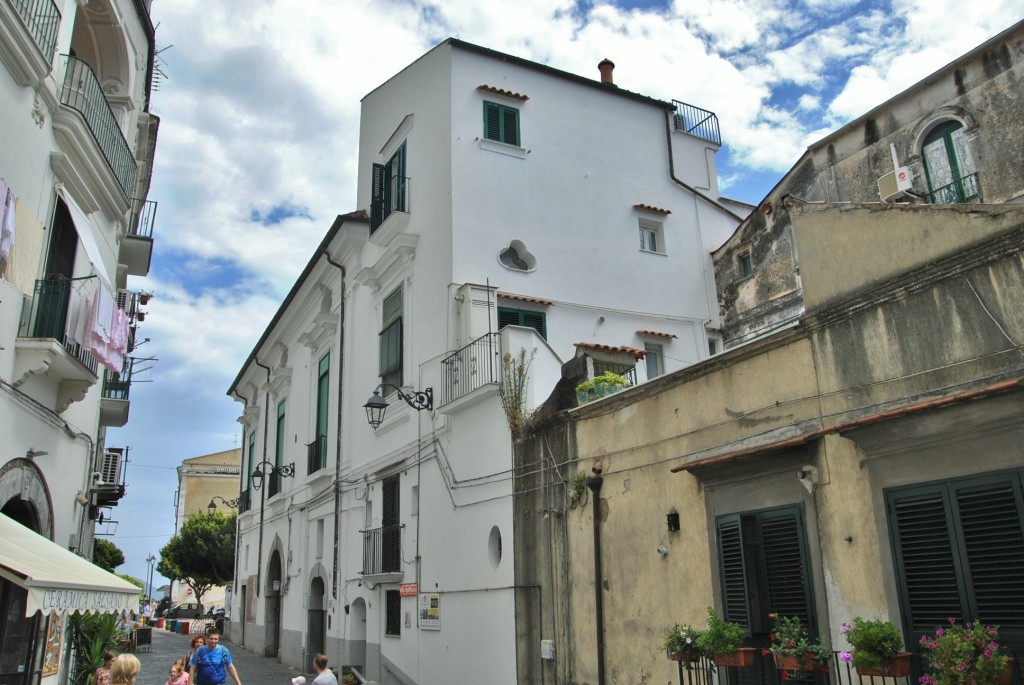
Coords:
pixel 151 560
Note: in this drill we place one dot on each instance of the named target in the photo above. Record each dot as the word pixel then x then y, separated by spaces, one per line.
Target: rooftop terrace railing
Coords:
pixel 697 122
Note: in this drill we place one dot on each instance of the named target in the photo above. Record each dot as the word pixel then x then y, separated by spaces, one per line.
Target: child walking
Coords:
pixel 178 676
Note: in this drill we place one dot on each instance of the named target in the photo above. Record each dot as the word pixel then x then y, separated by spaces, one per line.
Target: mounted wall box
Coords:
pixel 547 649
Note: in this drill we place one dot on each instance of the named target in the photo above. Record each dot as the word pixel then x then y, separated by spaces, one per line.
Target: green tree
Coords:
pixel 106 554
pixel 202 553
pixel 133 580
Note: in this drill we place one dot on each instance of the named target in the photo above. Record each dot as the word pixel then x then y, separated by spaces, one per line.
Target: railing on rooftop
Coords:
pixel 697 122
pixel 960 191
pixel 82 92
pixel 382 550
pixel 471 367
pixel 143 218
pixel 42 18
pixel 49 317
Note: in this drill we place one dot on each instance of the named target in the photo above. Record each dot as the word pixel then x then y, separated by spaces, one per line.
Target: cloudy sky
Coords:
pixel 259 128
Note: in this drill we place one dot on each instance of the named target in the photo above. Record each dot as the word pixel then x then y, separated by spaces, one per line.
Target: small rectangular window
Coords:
pixel 654 359
pixel 393 613
pixel 389 189
pixel 652 236
pixel 743 264
pixel 501 123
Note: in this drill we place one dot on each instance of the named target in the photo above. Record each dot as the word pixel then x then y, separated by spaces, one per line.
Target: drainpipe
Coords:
pixel 241 488
pixel 263 488
pixel 337 456
pixel 594 483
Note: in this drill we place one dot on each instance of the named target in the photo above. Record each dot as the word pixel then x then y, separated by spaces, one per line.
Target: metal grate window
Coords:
pixel 393 613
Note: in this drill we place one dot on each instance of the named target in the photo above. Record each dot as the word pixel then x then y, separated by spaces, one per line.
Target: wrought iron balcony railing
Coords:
pixel 82 92
pixel 117 385
pixel 382 550
pixel 316 454
pixel 42 18
pixel 697 122
pixel 244 500
pixel 960 191
pixel 471 367
pixel 393 198
pixel 143 218
pixel 51 305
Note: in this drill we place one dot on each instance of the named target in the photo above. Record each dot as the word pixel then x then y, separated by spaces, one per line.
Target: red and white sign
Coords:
pixel 407 589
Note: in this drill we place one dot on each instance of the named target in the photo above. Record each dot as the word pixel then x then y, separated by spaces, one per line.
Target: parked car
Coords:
pixel 215 612
pixel 189 610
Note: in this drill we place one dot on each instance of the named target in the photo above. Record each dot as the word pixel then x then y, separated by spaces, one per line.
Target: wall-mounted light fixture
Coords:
pixel 377 405
pixel 673 520
pixel 286 471
pixel 231 503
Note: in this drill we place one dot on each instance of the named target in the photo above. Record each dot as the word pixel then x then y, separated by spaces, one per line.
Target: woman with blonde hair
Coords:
pixel 124 670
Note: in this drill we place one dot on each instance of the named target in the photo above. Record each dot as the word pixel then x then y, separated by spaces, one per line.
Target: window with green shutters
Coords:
pixel 764 567
pixel 501 123
pixel 275 479
pixel 958 550
pixel 508 316
pixel 391 340
pixel 318 449
pixel 389 186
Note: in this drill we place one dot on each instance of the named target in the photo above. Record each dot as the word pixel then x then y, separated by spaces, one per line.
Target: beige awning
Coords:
pixel 59 580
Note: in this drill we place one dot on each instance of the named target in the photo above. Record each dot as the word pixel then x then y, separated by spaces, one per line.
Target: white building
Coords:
pixel 505 206
pixel 78 142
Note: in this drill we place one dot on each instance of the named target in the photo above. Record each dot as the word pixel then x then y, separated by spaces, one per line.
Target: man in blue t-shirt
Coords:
pixel 209 663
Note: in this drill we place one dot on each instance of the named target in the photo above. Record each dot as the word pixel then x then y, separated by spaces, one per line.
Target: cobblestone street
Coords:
pixel 252 669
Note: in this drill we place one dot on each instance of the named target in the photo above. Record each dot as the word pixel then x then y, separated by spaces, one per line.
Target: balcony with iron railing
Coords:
pixel 244 501
pixel 470 368
pixel 393 198
pixel 382 551
pixel 30 38
pixel 316 454
pixel 42 19
pixel 50 309
pixel 960 191
pixel 697 122
pixel 137 246
pixel 83 93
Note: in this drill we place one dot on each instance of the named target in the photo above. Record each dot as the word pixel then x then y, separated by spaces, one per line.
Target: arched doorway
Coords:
pixel 24 496
pixel 357 634
pixel 272 642
pixel 316 635
pixel 22 511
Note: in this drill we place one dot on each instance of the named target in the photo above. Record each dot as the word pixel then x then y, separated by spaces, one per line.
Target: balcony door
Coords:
pixel 949 166
pixel 391 552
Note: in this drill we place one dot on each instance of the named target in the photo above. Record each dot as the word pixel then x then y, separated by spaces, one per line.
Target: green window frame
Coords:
pixel 509 316
pixel 275 478
pixel 948 165
pixel 501 123
pixel 389 189
pixel 390 359
pixel 958 550
pixel 251 468
pixel 318 450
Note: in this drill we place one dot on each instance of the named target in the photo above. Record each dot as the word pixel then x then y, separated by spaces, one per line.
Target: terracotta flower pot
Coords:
pixel 681 656
pixel 897 667
pixel 785 662
pixel 742 657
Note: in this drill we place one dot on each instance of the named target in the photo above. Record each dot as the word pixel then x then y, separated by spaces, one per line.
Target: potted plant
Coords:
pixel 877 648
pixel 794 650
pixel 965 654
pixel 599 386
pixel 681 642
pixel 723 641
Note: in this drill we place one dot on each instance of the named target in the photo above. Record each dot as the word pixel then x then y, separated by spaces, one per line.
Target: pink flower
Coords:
pixel 844 628
pixel 846 656
pixel 940 632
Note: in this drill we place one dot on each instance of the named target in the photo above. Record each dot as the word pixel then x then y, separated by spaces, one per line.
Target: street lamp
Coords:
pixel 230 503
pixel 151 561
pixel 377 405
pixel 258 474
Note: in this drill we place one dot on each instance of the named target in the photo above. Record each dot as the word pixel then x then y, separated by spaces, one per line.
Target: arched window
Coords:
pixel 949 166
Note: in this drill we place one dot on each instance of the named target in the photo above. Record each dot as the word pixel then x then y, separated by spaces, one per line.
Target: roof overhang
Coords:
pixel 59 580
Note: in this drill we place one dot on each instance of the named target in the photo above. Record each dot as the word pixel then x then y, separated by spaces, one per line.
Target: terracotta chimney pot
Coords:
pixel 606 67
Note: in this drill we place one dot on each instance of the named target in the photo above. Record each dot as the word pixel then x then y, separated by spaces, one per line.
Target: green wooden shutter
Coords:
pixel 507 317
pixel 733 571
pixel 492 121
pixel 536 321
pixel 377 190
pixel 785 564
pixel 510 125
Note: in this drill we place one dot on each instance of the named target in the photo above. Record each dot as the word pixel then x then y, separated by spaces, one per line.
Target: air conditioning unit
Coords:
pixel 110 470
pixel 895 184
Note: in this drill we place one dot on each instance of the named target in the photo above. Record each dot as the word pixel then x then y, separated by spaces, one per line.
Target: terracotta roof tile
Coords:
pixel 502 91
pixel 659 334
pixel 652 208
pixel 637 353
pixel 525 298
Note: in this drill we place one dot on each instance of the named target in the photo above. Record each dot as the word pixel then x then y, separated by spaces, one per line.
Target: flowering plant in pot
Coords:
pixel 723 640
pixel 599 386
pixel 965 654
pixel 681 642
pixel 794 650
pixel 877 648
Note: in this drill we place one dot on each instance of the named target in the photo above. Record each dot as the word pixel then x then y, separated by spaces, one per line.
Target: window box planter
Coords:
pixel 690 656
pixel 805 663
pixel 606 384
pixel 897 667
